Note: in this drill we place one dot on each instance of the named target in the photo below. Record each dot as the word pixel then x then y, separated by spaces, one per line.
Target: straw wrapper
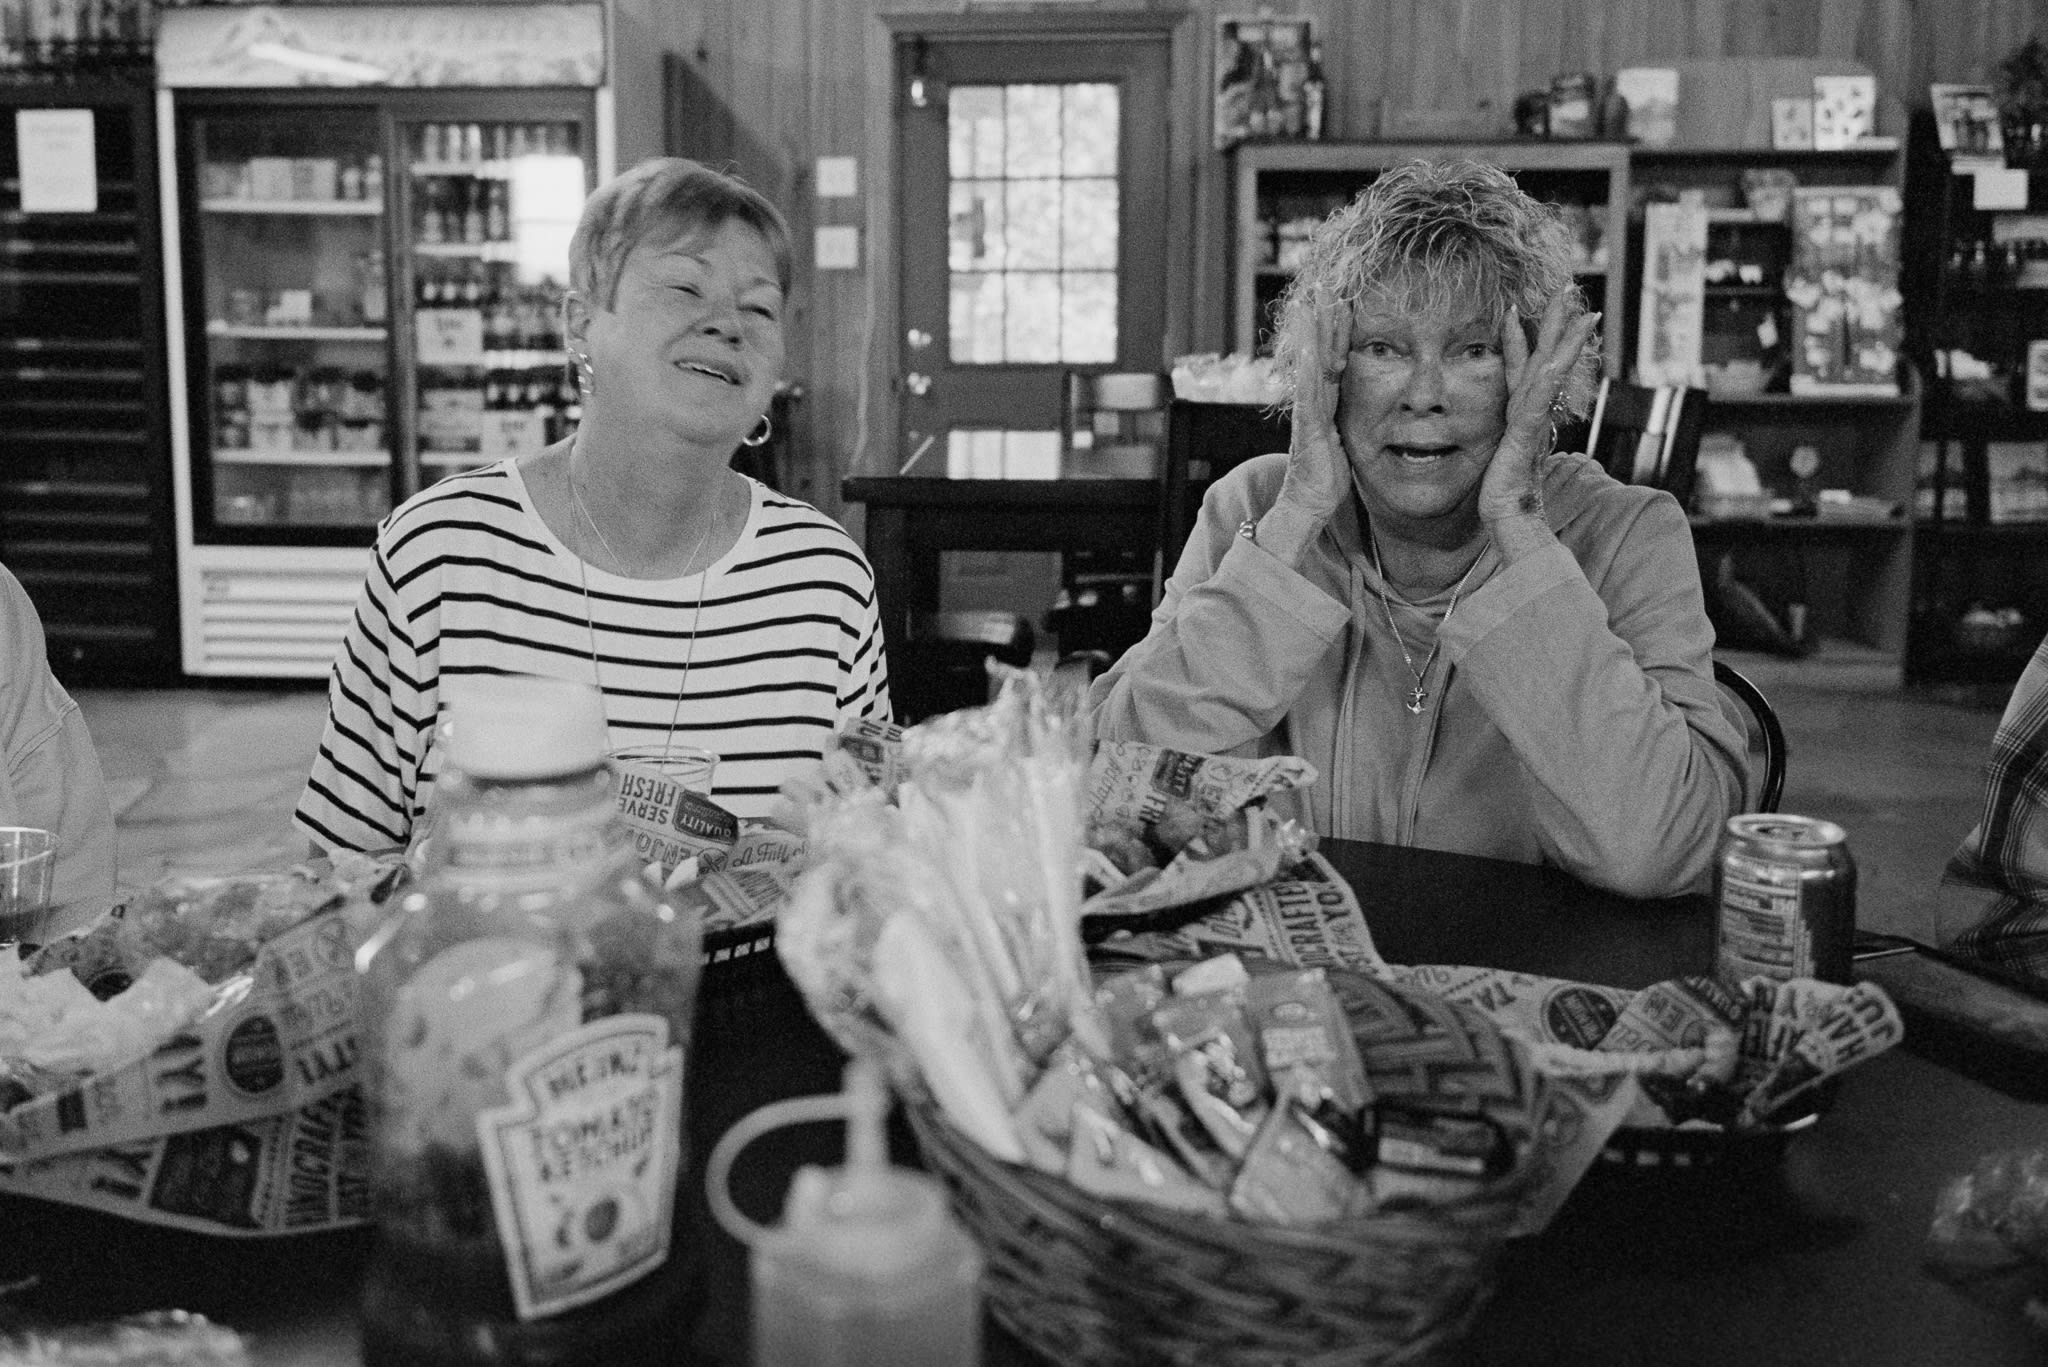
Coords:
pixel 942 931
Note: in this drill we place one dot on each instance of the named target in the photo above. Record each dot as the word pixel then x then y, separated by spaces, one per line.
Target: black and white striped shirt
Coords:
pixel 467 579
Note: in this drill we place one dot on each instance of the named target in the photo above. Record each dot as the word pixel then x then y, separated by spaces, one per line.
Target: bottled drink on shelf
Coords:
pixel 433 223
pixel 537 992
pixel 472 194
pixel 371 284
pixel 1314 92
pixel 497 211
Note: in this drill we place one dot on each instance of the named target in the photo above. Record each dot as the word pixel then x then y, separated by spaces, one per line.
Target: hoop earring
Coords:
pixel 580 372
pixel 759 436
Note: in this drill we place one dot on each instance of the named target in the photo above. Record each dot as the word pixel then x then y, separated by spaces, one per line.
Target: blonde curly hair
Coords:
pixel 1434 236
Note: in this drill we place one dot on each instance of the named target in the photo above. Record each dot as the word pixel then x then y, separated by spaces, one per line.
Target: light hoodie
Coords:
pixel 1572 720
pixel 50 774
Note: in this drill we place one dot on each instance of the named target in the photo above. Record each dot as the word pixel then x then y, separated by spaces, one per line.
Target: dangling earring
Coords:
pixel 579 366
pixel 759 436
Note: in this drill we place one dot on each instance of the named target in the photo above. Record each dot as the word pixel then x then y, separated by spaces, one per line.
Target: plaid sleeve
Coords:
pixel 2007 852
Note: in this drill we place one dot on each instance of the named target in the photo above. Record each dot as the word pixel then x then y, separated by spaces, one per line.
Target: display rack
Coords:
pixel 1839 572
pixel 85 490
pixel 1980 586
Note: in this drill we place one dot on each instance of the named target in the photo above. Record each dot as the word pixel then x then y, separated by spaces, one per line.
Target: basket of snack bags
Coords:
pixel 1720 1072
pixel 188 1059
pixel 1221 1159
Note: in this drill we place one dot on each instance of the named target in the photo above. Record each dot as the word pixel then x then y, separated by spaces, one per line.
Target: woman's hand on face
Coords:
pixel 1318 475
pixel 1513 486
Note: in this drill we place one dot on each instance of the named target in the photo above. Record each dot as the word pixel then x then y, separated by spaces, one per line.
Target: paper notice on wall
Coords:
pixel 57 156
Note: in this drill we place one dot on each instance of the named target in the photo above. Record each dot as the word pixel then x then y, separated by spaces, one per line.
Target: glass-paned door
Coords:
pixel 292 327
pixel 490 208
pixel 1033 188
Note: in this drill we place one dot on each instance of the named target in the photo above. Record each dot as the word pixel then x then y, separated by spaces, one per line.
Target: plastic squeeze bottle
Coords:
pixel 868 1267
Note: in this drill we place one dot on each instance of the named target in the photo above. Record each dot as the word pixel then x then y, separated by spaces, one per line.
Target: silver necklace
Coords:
pixel 1418 696
pixel 590 622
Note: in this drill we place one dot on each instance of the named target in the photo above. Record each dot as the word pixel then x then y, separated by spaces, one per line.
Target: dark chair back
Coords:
pixel 1649 435
pixel 1204 441
pixel 1766 736
pixel 944 664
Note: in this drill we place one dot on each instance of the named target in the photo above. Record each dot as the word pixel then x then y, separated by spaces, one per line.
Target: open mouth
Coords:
pixel 717 372
pixel 1422 455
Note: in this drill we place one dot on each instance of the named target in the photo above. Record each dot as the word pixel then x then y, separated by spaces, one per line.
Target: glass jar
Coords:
pixel 528 1012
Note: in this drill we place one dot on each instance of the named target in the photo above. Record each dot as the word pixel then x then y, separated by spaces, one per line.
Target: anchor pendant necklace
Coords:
pixel 1418 696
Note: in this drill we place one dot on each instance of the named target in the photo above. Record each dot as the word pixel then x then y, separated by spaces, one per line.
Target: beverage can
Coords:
pixel 1784 899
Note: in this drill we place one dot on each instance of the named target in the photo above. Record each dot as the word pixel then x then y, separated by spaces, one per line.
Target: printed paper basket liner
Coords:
pixel 276 1038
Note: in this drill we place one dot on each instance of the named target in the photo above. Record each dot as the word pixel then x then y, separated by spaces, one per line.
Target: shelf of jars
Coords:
pixel 295 332
pixel 252 456
pixel 336 208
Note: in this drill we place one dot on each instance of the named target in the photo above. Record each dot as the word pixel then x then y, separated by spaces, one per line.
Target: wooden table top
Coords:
pixel 1815 1258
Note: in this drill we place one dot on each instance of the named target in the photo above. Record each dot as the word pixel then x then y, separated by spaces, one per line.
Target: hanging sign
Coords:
pixel 55 148
pixel 381 45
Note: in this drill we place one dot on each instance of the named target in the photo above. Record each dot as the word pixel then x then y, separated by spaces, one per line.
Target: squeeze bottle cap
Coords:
pixel 867 1223
pixel 518 726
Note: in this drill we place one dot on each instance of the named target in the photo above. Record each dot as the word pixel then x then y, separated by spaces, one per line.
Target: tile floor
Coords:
pixel 204 780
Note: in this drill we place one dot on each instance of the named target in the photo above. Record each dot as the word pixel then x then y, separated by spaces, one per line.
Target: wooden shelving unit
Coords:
pixel 85 489
pixel 1309 179
pixel 1851 577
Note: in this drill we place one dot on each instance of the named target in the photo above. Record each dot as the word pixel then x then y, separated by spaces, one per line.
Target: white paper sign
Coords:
pixel 450 336
pixel 1998 187
pixel 57 161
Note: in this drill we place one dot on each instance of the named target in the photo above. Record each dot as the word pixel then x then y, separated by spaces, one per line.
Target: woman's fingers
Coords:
pixel 1335 326
pixel 1316 470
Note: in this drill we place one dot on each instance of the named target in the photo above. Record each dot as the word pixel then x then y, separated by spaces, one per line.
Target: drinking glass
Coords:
pixel 689 765
pixel 28 868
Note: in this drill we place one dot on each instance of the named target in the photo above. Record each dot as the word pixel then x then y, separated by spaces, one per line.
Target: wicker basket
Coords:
pixel 1082 1280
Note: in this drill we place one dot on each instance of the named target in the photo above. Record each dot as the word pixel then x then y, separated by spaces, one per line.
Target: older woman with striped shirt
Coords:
pixel 708 609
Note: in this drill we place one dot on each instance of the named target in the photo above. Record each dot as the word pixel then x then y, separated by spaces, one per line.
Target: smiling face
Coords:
pixel 1421 408
pixel 693 340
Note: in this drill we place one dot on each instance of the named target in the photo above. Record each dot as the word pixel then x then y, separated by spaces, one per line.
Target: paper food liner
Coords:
pixel 1133 785
pixel 278 1035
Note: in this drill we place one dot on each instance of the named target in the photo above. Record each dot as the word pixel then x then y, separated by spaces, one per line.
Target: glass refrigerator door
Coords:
pixel 490 208
pixel 291 444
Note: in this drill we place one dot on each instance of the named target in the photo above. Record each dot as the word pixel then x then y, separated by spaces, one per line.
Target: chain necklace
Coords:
pixel 1418 696
pixel 590 623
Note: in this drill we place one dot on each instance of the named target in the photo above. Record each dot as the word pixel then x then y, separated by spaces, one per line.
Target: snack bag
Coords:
pixel 1308 917
pixel 1166 829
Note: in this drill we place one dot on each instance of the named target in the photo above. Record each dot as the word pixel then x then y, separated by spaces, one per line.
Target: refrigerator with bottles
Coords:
pixel 367 212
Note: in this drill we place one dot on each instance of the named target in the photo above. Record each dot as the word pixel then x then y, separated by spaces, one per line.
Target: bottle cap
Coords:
pixel 521 726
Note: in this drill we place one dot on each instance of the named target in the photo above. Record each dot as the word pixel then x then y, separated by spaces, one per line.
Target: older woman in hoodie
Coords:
pixel 1482 645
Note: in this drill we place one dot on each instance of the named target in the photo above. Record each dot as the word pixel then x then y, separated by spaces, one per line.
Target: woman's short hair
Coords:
pixel 1427 236
pixel 670 196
